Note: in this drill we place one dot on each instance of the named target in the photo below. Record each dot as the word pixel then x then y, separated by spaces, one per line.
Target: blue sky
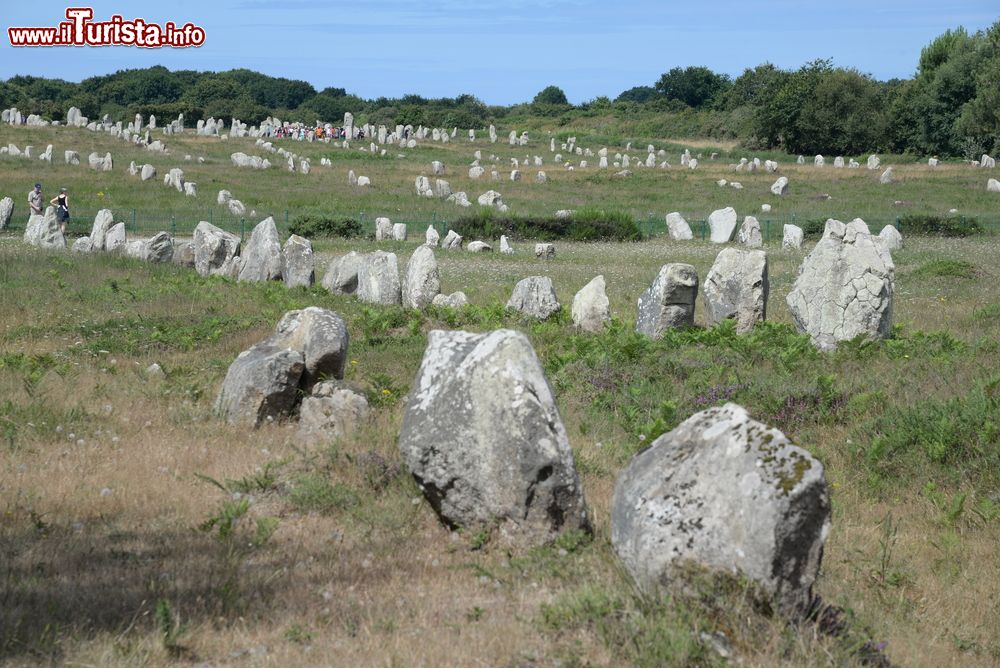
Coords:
pixel 504 52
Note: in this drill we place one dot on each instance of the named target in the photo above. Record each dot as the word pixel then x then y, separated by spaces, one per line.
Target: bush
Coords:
pixel 813 228
pixel 313 225
pixel 931 225
pixel 584 225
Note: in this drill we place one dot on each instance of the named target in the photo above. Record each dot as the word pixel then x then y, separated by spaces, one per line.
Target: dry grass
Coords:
pixel 96 533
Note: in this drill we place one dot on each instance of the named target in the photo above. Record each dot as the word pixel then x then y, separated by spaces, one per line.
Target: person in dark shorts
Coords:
pixel 61 202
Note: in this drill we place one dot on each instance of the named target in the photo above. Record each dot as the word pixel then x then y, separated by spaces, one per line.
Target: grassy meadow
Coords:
pixel 136 528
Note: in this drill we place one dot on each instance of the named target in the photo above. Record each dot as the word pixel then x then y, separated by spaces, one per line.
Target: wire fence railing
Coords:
pixel 181 223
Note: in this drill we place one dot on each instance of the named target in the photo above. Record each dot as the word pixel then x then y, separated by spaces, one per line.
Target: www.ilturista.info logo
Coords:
pixel 80 30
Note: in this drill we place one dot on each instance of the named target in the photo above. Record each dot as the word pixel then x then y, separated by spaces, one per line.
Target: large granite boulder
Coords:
pixel 678 228
pixel 262 383
pixel 378 279
pixel 844 287
pixel 298 263
pixel 534 296
pixel 484 441
pixel 214 250
pixel 722 223
pixel 668 302
pixel 423 282
pixel 262 259
pixel 591 311
pixel 341 276
pixel 737 287
pixel 726 494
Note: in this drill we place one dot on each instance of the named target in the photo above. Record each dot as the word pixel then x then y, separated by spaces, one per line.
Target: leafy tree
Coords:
pixel 694 86
pixel 550 95
pixel 638 94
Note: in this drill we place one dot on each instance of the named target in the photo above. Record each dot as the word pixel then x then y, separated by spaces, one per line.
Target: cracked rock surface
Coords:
pixel 844 287
pixel 723 493
pixel 483 438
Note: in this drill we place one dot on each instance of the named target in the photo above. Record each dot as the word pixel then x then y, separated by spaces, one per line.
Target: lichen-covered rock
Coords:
pixel 44 231
pixel 6 210
pixel 261 383
pixel 116 238
pixel 423 283
pixel 678 228
pixel 330 412
pixel 780 187
pixel 479 247
pixel 431 237
pixel 844 287
pixel 298 263
pixel 749 234
pixel 534 296
pixel 320 335
pixel 454 300
pixel 727 494
pixel 103 222
pixel 341 276
pixel 505 247
pixel 484 441
pixel 452 241
pixel 81 245
pixel 383 229
pixel 668 302
pixel 262 259
pixel 591 311
pixel 378 279
pixel 214 249
pixel 722 223
pixel 545 251
pixel 891 238
pixel 183 254
pixel 791 238
pixel 737 287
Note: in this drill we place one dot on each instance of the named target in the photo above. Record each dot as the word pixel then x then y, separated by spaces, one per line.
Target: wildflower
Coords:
pixel 386 391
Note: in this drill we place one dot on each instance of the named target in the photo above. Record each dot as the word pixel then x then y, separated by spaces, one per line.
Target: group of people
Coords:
pixel 319 132
pixel 60 201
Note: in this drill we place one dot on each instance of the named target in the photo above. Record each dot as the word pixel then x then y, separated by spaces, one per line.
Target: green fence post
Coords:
pixel 767 230
pixel 173 228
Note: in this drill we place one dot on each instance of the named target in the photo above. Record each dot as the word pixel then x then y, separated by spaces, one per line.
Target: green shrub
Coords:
pixel 947 268
pixel 585 225
pixel 313 225
pixel 941 226
pixel 813 228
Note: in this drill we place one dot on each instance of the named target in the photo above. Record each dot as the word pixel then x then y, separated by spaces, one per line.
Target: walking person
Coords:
pixel 35 200
pixel 61 203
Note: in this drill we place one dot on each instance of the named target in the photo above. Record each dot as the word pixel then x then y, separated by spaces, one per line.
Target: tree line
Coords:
pixel 951 106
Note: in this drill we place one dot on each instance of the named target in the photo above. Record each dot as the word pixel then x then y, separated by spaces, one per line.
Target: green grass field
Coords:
pixel 119 549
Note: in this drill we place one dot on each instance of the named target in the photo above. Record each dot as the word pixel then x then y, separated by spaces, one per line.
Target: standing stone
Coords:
pixel 819 161
pixel 728 494
pixel 431 237
pixel 678 228
pixel 383 229
pixel 873 162
pixel 423 282
pixel 454 300
pixel 341 276
pixel 891 238
pixel 147 172
pixel 505 246
pixel 993 186
pixel 838 162
pixel 749 234
pixel 320 336
pixel 81 245
pixel 484 441
pixel 330 413
pixel 44 231
pixel 159 248
pixel 737 287
pixel 378 279
pixel 534 296
pixel 545 251
pixel 115 239
pixel 886 177
pixel 399 231
pixel 479 247
pixel 780 187
pixel 262 259
pixel 791 237
pixel 591 310
pixel 261 383
pixel 183 254
pixel 214 249
pixel 722 223
pixel 668 302
pixel 437 167
pixel 6 210
pixel 452 241
pixel 299 265
pixel 71 157
pixel 844 287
